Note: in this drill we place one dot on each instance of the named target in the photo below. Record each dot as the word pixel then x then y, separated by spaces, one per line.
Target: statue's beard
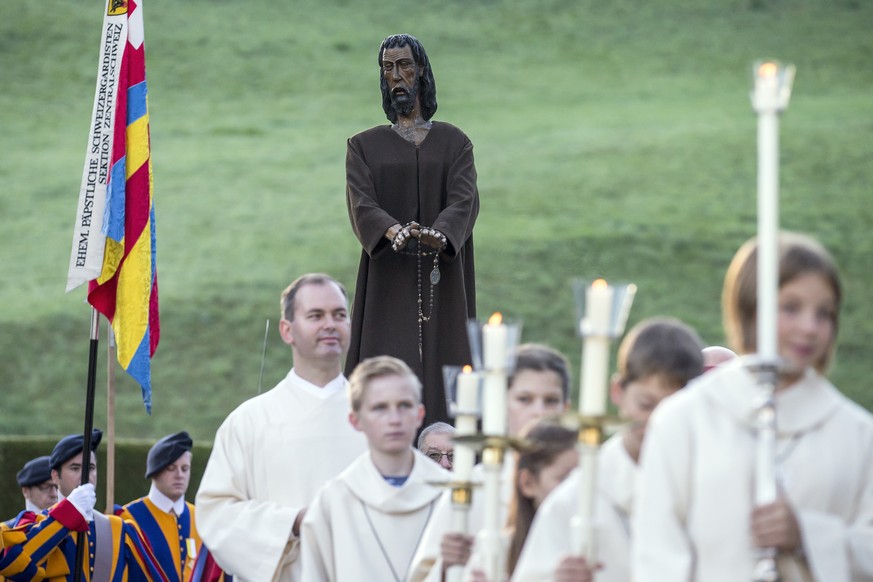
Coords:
pixel 404 101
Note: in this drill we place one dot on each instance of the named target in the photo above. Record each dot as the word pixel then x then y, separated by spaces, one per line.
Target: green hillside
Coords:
pixel 612 138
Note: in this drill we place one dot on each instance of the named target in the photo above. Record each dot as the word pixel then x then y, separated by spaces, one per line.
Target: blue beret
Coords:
pixel 34 472
pixel 166 451
pixel 71 445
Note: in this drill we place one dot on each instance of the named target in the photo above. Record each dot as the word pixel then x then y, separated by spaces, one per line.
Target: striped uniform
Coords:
pixel 172 538
pixel 48 550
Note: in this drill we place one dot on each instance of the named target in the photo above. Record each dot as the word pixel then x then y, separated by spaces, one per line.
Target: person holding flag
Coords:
pixel 117 552
pixel 113 247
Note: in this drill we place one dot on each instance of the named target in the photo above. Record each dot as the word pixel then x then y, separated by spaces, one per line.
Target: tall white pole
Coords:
pixel 769 98
pixel 766 102
pixel 495 349
pixel 467 396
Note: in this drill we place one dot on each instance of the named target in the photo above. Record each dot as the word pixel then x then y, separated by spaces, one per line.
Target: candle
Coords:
pixel 494 339
pixel 767 85
pixel 595 350
pixel 582 528
pixel 494 413
pixel 468 395
pixel 489 541
pixel 465 422
pixel 767 97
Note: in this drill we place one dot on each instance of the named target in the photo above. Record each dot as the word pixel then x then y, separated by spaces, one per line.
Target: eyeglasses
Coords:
pixel 437 456
pixel 46 487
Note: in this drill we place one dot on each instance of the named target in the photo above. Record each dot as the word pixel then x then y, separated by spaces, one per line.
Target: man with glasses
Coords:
pixel 436 443
pixel 37 487
pixel 116 550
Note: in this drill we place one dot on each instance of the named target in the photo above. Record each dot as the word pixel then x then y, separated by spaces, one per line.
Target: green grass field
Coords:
pixel 612 139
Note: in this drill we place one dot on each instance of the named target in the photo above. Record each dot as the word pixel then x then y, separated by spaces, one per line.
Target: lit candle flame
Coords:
pixel 467 369
pixel 600 284
pixel 768 69
pixel 495 319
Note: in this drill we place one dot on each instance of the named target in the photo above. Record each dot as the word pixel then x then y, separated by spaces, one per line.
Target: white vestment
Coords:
pixel 428 564
pixel 550 538
pixel 270 457
pixel 692 515
pixel 361 528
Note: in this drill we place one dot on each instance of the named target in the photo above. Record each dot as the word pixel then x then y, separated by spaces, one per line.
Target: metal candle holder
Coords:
pixel 492 347
pixel 475 337
pixel 598 330
pixel 623 298
pixel 464 404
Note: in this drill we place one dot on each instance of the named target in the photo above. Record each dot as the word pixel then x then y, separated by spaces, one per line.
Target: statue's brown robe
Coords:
pixel 389 181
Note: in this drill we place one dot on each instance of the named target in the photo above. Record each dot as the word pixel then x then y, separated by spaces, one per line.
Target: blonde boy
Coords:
pixel 365 523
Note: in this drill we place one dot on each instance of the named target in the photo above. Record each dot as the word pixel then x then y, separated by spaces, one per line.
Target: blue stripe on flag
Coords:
pixel 154 240
pixel 113 218
pixel 140 368
pixel 136 102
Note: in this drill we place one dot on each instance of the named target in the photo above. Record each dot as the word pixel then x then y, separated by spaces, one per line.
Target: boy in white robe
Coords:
pixel 275 451
pixel 657 357
pixel 696 518
pixel 366 523
pixel 538 387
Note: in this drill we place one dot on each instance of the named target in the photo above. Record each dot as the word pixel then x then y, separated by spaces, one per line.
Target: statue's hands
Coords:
pixel 432 238
pixel 403 236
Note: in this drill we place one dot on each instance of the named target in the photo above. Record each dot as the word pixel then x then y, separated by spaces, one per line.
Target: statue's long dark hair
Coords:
pixel 426 82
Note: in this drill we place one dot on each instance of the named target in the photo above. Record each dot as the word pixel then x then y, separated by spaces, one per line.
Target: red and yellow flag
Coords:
pixel 114 235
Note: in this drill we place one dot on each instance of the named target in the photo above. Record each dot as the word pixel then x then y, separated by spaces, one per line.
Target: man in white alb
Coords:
pixel 275 451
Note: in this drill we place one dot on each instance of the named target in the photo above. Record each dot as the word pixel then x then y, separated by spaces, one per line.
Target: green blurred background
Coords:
pixel 612 139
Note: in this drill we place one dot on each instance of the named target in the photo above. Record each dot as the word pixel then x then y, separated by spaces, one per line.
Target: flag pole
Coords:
pixel 82 543
pixel 110 420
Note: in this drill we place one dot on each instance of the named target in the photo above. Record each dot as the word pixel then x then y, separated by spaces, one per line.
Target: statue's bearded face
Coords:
pixel 401 74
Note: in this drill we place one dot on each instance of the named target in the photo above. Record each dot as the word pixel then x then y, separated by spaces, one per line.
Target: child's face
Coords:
pixel 806 319
pixel 636 401
pixel 537 487
pixel 389 415
pixel 532 395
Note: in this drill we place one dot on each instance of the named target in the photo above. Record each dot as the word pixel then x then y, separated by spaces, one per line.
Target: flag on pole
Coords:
pixel 114 235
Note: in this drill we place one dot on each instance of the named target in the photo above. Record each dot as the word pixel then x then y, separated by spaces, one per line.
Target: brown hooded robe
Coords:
pixel 391 180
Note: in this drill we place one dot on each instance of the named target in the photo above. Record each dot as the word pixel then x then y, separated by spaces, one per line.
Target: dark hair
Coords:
pixel 286 301
pixel 426 83
pixel 798 254
pixel 544 441
pixel 660 346
pixel 542 358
